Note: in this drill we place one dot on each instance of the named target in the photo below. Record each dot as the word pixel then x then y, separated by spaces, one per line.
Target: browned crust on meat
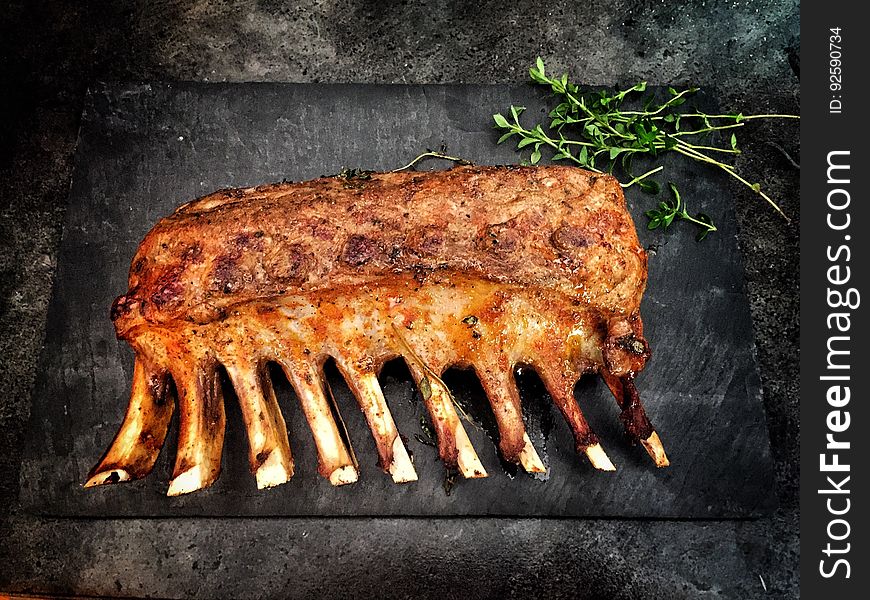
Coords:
pixel 558 228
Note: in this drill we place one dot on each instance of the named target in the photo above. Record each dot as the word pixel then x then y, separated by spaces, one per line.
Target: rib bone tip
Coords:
pixel 599 459
pixel 189 481
pixel 106 477
pixel 473 470
pixel 529 458
pixel 402 469
pixel 344 475
pixel 274 471
pixel 468 462
pixel 656 450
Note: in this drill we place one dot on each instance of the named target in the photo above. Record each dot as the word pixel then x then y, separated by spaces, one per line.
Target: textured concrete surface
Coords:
pixel 746 51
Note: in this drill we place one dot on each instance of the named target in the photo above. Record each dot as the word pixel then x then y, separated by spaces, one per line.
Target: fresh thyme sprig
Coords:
pixel 667 211
pixel 591 129
pixel 433 154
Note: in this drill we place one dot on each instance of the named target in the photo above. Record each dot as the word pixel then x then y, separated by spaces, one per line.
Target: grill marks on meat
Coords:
pixel 479 267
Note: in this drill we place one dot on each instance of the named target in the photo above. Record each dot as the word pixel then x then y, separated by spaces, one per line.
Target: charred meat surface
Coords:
pixel 487 268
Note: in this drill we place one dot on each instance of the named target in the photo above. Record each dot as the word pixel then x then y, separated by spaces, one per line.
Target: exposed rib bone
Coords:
pixel 515 446
pixel 268 445
pixel 392 452
pixel 334 461
pixel 454 447
pixel 137 445
pixel 633 416
pixel 585 440
pixel 655 449
pixel 201 429
pixel 599 459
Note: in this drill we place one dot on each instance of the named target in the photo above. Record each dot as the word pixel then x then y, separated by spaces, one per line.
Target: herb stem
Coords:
pixel 706 129
pixel 671 102
pixel 642 177
pixel 427 370
pixel 431 154
pixel 730 170
pixel 742 117
pixel 577 143
pixel 708 226
pixel 692 151
pixel 714 149
pixel 757 189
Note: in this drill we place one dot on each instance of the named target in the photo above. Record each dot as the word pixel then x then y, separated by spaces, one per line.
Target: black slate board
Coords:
pixel 145 149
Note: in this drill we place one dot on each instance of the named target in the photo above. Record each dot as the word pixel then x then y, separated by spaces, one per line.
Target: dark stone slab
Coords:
pixel 143 150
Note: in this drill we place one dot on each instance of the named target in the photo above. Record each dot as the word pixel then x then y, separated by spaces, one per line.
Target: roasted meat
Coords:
pixel 488 268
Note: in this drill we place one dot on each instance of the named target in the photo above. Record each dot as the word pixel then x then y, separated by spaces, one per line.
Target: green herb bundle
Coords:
pixel 591 129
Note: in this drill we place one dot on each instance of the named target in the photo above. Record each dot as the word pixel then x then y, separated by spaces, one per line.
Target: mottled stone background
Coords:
pixel 746 53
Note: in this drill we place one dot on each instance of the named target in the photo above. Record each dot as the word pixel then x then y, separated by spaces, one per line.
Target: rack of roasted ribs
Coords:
pixel 488 268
